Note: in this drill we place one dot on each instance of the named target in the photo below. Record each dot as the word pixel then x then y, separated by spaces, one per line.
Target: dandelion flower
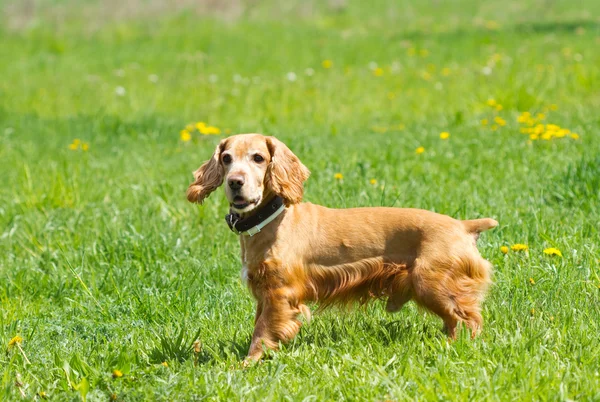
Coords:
pixel 532 312
pixel 213 130
pixel 327 64
pixel 378 72
pixel 446 71
pixel 574 136
pixel 165 364
pixel 553 107
pixel 504 249
pixel 73 146
pixel 185 135
pixel 499 107
pixel 17 340
pixel 117 373
pixel 85 146
pixel 420 150
pixel 492 102
pixel 519 247
pixel 373 181
pixel 484 122
pixel 500 121
pixel 444 135
pixel 338 176
pixel 553 251
pixel 532 281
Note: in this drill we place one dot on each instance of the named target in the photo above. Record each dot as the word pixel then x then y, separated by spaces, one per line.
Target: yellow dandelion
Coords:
pixel 532 311
pixel 17 340
pixel 42 395
pixel 532 281
pixel 484 122
pixel 165 364
pixel 524 117
pixel 338 176
pixel 494 127
pixel 500 121
pixel 373 181
pixel 553 251
pixel 200 126
pixel 117 373
pixel 85 146
pixel 185 135
pixel 420 150
pixel 378 72
pixel 189 127
pixel 73 146
pixel 574 136
pixel 213 130
pixel 504 249
pixel 540 116
pixel 492 102
pixel 519 247
pixel 327 64
pixel 553 107
pixel 499 107
pixel 444 135
pixel 446 71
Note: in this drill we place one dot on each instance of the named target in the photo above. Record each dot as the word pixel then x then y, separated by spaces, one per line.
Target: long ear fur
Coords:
pixel 208 177
pixel 286 174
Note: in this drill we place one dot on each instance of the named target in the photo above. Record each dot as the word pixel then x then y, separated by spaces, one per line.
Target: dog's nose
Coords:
pixel 236 182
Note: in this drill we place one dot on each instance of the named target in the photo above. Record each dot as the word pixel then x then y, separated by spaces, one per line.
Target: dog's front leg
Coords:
pixel 276 320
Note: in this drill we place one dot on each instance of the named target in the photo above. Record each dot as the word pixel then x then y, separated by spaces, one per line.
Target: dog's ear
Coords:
pixel 286 174
pixel 208 177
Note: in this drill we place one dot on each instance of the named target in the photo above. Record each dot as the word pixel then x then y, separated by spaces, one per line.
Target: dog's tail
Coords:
pixel 479 225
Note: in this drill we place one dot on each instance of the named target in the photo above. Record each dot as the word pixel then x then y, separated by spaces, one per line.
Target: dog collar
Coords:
pixel 253 224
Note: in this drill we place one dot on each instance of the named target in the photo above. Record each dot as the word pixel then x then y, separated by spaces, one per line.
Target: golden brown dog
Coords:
pixel 313 253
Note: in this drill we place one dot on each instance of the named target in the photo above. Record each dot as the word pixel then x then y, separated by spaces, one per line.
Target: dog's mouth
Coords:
pixel 240 203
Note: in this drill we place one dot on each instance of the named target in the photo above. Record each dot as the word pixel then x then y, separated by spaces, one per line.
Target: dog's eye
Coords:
pixel 227 159
pixel 258 158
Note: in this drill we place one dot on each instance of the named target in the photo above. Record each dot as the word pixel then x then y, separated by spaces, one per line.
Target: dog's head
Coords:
pixel 254 168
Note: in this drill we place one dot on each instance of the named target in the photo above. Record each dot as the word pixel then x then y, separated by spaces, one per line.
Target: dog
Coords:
pixel 293 252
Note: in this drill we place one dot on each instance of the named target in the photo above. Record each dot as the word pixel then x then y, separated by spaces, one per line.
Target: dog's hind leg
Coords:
pixel 454 292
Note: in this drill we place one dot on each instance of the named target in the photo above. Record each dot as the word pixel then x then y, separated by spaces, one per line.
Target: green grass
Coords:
pixel 104 265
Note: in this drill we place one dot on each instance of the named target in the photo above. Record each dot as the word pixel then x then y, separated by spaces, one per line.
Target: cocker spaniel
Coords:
pixel 293 252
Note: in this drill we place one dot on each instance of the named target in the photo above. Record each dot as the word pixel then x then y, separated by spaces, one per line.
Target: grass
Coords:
pixel 104 265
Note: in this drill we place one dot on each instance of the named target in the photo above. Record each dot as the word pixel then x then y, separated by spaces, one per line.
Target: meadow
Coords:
pixel 114 287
